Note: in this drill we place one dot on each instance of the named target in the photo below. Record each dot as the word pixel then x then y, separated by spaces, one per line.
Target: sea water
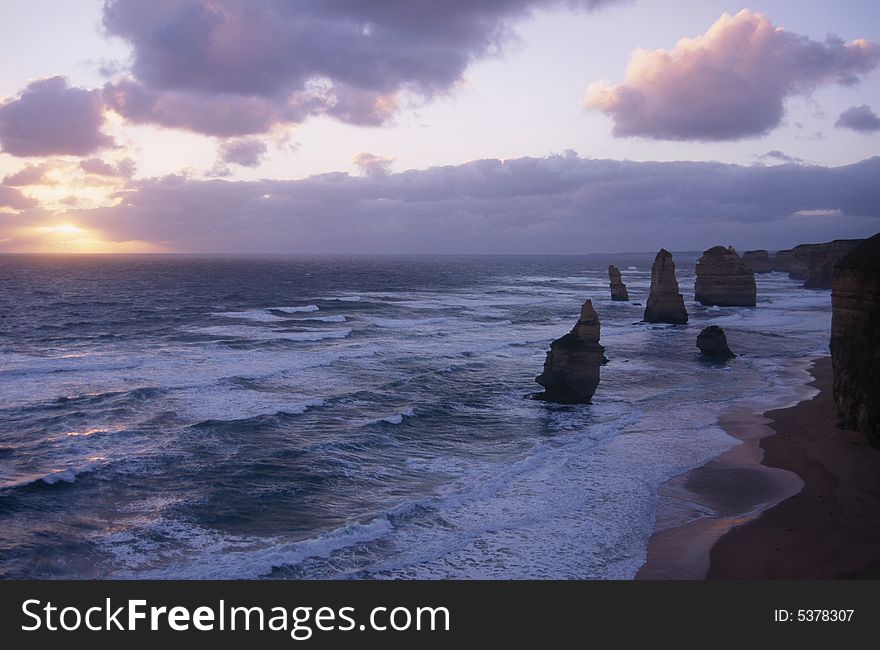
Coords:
pixel 357 417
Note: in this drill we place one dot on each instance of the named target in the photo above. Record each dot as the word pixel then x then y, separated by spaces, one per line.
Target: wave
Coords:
pixel 49 478
pixel 322 319
pixel 343 298
pixel 295 310
pixel 257 315
pixel 221 403
pixel 397 418
pixel 221 557
pixel 253 333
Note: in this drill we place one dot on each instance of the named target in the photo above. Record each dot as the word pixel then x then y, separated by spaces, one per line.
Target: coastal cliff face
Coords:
pixel 618 288
pixel 782 260
pixel 757 261
pixel 665 303
pixel 723 279
pixel 571 369
pixel 855 338
pixel 814 263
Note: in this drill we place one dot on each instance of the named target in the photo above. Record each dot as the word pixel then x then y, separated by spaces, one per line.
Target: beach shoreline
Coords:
pixel 798 498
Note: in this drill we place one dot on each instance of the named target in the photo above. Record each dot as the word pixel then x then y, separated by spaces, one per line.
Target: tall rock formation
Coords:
pixel 665 304
pixel 618 288
pixel 713 344
pixel 757 261
pixel 814 263
pixel 782 260
pixel 855 338
pixel 723 279
pixel 571 370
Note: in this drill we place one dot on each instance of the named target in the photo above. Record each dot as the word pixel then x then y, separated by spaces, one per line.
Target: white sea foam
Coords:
pixel 295 310
pixel 339 318
pixel 253 333
pixel 397 418
pixel 257 315
pixel 216 556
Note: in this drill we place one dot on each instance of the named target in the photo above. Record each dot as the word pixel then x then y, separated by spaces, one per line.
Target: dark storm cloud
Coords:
pixel 559 204
pixel 729 83
pixel 225 67
pixel 859 118
pixel 49 118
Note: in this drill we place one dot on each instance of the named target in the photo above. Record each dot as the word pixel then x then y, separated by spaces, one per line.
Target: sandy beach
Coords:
pixel 799 498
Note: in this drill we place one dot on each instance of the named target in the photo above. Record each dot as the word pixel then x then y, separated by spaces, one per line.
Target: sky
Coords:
pixel 412 126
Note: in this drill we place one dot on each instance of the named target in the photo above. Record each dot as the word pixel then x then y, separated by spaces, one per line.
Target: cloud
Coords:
pixel 48 117
pixel 559 204
pixel 247 152
pixel 31 174
pixel 12 199
pixel 371 164
pixel 778 156
pixel 729 83
pixel 124 168
pixel 230 68
pixel 859 118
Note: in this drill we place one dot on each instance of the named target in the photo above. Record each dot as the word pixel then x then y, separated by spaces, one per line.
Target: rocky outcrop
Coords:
pixel 618 288
pixel 571 370
pixel 782 260
pixel 757 261
pixel 713 344
pixel 723 279
pixel 814 263
pixel 855 338
pixel 665 304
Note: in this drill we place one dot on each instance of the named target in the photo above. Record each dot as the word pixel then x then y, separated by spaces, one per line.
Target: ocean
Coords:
pixel 358 417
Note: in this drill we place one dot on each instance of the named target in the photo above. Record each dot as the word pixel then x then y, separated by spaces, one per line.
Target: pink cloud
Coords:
pixel 372 165
pixel 231 68
pixel 729 83
pixel 48 117
pixel 13 199
pixel 30 175
pixel 124 168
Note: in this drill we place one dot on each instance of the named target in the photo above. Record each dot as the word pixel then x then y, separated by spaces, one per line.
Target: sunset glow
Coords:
pixel 434 135
pixel 70 238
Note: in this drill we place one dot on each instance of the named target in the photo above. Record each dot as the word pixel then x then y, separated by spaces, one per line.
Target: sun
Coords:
pixel 67 237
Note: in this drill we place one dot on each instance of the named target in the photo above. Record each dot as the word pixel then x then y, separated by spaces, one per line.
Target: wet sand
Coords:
pixel 799 498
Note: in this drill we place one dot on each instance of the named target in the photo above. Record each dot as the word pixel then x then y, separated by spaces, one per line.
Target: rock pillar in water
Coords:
pixel 571 369
pixel 618 288
pixel 723 279
pixel 713 343
pixel 665 304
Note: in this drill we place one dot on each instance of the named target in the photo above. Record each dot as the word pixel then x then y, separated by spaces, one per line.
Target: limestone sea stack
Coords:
pixel 618 288
pixel 814 263
pixel 571 370
pixel 757 261
pixel 855 338
pixel 713 344
pixel 665 304
pixel 723 279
